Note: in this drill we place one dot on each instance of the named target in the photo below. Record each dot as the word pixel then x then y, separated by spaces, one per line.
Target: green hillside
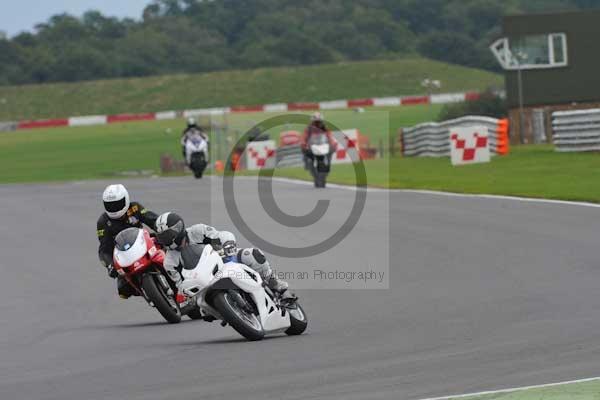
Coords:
pixel 248 87
pixel 194 36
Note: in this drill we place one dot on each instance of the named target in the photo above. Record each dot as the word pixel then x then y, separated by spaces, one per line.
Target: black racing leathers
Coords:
pixel 108 229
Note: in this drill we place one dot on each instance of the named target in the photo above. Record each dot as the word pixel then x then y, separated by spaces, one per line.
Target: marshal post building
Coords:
pixel 551 62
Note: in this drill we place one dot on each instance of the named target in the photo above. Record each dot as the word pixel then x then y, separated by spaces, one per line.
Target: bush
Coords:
pixel 488 105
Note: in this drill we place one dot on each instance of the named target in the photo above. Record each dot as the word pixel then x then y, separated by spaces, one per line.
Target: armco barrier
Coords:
pixel 277 107
pixel 433 139
pixel 8 126
pixel 166 115
pixel 289 156
pixel 574 131
pixel 360 103
pixel 45 123
pixel 415 100
pixel 131 117
pixel 87 121
pixel 302 106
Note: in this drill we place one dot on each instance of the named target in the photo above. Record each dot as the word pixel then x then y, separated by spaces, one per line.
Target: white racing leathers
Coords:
pixel 205 234
pixel 194 142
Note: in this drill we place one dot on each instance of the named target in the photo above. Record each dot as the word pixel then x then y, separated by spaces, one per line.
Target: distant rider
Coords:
pixel 172 234
pixel 119 214
pixel 192 128
pixel 317 127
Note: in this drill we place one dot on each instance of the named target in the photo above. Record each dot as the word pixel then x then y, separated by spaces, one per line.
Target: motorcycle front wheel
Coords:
pixel 166 306
pixel 298 320
pixel 198 165
pixel 245 322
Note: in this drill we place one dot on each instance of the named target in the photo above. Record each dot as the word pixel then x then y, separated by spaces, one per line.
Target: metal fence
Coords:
pixel 574 131
pixel 433 139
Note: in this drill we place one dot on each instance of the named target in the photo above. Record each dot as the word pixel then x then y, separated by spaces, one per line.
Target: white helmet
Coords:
pixel 228 243
pixel 316 117
pixel 116 201
pixel 191 121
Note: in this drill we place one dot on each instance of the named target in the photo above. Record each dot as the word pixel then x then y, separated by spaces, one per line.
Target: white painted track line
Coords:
pixel 435 193
pixel 512 390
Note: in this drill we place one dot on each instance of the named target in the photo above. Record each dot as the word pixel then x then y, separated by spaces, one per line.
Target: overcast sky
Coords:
pixel 23 15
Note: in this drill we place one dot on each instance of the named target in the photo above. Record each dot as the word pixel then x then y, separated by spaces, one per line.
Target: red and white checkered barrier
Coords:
pixel 261 154
pixel 277 107
pixel 347 146
pixel 436 140
pixel 469 145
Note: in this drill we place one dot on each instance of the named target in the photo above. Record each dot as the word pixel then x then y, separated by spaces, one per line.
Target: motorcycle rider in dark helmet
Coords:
pixel 119 214
pixel 173 236
pixel 317 127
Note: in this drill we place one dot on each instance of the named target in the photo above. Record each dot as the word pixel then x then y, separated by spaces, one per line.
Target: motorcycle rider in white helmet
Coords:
pixel 173 236
pixel 191 128
pixel 119 214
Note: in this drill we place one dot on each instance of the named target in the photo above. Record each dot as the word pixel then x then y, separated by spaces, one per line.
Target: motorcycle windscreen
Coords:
pixel 130 246
pixel 190 256
pixel 192 147
pixel 197 141
pixel 319 145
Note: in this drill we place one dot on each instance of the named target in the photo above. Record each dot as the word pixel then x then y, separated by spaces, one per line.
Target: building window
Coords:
pixel 532 51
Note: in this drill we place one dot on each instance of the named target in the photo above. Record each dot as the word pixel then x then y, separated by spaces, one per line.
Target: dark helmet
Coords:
pixel 170 230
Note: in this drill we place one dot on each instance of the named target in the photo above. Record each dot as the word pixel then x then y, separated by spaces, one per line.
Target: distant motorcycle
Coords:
pixel 140 262
pixel 196 153
pixel 319 159
pixel 236 294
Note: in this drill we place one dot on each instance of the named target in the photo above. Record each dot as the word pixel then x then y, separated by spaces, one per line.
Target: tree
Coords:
pixel 450 47
pixel 208 35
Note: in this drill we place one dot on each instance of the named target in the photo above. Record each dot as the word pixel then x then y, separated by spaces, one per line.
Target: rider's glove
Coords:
pixel 112 272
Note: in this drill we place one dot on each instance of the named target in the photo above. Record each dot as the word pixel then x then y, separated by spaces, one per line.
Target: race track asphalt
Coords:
pixel 483 294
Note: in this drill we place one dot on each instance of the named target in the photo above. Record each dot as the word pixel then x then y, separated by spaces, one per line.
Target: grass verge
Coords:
pixel 575 391
pixel 102 151
pixel 268 85
pixel 105 151
pixel 529 171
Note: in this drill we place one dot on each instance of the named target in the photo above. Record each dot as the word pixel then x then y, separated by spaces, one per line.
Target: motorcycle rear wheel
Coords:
pixel 245 323
pixel 158 297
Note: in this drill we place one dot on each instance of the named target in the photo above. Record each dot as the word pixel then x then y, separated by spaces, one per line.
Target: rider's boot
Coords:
pixel 255 259
pixel 124 288
pixel 277 285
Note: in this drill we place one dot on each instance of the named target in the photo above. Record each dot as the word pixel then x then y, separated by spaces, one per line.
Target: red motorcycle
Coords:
pixel 139 260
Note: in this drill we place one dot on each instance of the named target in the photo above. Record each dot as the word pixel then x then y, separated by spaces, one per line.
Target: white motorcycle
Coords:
pixel 196 153
pixel 236 295
pixel 320 162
